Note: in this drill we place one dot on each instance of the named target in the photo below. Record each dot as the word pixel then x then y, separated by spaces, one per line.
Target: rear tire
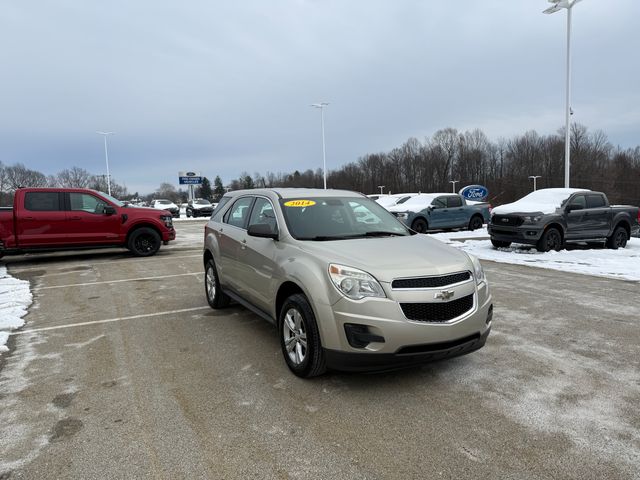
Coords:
pixel 215 296
pixel 300 339
pixel 618 239
pixel 144 242
pixel 476 222
pixel 419 225
pixel 500 243
pixel 551 240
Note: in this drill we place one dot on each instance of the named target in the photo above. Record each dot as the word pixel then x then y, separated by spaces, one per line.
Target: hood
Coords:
pixel 546 200
pixel 392 257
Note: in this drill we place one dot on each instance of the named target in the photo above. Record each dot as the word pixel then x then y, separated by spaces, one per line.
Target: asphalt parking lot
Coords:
pixel 123 371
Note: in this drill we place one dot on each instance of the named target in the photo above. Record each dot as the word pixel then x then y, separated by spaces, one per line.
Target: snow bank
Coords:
pixel 623 263
pixel 546 200
pixel 15 298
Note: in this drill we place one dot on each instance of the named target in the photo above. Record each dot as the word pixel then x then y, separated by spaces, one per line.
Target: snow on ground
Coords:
pixel 623 263
pixel 15 298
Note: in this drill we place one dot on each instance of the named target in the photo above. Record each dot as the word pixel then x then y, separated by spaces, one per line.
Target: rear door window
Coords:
pixel 454 201
pixel 238 214
pixel 42 201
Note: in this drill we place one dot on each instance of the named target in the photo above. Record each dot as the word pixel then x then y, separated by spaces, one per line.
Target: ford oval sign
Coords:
pixel 477 193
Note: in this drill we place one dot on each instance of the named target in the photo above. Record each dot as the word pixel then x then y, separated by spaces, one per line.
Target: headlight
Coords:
pixel 478 271
pixel 404 215
pixel 532 218
pixel 353 283
pixel 168 220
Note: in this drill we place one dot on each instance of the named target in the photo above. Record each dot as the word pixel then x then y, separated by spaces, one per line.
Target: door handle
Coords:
pixel 75 218
pixel 29 218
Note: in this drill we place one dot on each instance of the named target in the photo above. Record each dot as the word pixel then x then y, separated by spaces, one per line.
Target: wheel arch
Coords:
pixel 138 226
pixel 558 227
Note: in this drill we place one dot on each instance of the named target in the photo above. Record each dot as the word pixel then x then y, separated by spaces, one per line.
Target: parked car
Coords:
pixel 394 199
pixel 345 292
pixel 433 211
pixel 163 204
pixel 552 217
pixel 47 219
pixel 199 208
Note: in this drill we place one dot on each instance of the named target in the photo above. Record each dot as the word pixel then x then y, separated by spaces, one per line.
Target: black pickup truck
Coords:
pixel 552 217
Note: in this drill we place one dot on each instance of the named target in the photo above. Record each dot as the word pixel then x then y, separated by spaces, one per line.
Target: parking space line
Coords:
pixel 108 320
pixel 108 262
pixel 52 287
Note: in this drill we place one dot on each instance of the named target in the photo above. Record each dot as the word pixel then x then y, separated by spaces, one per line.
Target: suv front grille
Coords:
pixel 437 312
pixel 431 282
pixel 506 221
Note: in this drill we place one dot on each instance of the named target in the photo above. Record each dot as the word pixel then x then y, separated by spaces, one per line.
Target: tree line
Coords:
pixel 430 165
pixel 469 157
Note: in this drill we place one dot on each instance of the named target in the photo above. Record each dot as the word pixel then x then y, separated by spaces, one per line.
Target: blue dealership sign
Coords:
pixel 477 193
pixel 189 178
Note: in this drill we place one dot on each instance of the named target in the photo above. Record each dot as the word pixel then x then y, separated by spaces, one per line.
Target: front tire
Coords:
pixel 300 339
pixel 500 243
pixel 419 225
pixel 618 239
pixel 144 242
pixel 215 296
pixel 551 240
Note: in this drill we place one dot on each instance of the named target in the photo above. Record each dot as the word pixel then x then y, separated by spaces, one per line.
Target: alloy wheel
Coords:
pixel 295 336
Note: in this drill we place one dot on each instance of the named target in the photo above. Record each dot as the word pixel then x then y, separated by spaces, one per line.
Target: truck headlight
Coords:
pixel 353 283
pixel 478 271
pixel 168 220
pixel 532 218
pixel 404 215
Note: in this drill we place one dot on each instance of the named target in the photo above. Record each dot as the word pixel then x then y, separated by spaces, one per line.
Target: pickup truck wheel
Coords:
pixel 144 242
pixel 419 225
pixel 500 244
pixel 300 339
pixel 618 239
pixel 215 296
pixel 476 222
pixel 188 214
pixel 551 240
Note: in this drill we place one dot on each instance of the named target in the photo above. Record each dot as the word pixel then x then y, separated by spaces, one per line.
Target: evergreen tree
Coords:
pixel 204 191
pixel 218 189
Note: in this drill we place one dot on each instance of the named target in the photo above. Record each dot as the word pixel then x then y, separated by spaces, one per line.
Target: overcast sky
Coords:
pixel 222 87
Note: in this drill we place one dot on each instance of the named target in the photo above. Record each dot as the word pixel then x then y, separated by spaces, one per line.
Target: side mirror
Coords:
pixel 109 210
pixel 262 230
pixel 573 206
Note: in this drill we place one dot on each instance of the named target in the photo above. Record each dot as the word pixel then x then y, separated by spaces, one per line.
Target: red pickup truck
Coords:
pixel 46 219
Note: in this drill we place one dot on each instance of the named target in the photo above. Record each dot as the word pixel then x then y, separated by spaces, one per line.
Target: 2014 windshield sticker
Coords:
pixel 299 203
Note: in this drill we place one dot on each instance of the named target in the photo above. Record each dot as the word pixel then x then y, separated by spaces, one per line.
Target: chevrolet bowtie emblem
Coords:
pixel 444 294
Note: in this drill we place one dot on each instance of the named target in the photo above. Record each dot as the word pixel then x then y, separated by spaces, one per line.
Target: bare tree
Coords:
pixel 75 177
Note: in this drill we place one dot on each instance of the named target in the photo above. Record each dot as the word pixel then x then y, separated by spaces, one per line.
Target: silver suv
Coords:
pixel 348 286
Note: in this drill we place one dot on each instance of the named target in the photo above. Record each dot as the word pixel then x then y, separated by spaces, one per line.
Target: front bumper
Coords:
pixel 393 340
pixel 529 234
pixel 416 355
pixel 168 235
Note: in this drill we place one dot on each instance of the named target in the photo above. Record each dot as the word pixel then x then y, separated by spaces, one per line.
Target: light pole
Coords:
pixel 381 187
pixel 557 6
pixel 321 106
pixel 534 177
pixel 106 157
pixel 453 185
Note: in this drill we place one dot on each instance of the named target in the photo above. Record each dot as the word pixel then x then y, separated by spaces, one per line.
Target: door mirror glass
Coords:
pixel 262 230
pixel 109 210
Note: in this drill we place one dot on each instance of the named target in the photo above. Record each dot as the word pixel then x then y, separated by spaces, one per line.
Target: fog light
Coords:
pixel 359 336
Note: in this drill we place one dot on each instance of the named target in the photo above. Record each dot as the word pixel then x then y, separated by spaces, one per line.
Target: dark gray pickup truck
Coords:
pixel 551 217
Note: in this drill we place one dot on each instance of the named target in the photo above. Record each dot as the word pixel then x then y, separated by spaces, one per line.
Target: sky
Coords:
pixel 223 88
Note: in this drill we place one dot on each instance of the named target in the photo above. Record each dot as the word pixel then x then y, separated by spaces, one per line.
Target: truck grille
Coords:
pixel 437 312
pixel 431 282
pixel 506 221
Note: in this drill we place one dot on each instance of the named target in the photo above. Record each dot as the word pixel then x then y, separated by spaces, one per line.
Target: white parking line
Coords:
pixel 108 320
pixel 107 262
pixel 36 289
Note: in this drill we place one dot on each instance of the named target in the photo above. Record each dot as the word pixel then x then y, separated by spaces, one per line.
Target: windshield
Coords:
pixel 202 202
pixel 338 218
pixel 115 201
pixel 163 202
pixel 419 200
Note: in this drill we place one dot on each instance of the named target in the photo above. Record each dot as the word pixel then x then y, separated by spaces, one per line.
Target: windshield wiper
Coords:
pixel 323 238
pixel 382 233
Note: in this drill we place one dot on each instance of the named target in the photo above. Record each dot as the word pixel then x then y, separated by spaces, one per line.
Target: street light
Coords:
pixel 106 157
pixel 534 177
pixel 453 184
pixel 557 6
pixel 321 106
pixel 381 187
